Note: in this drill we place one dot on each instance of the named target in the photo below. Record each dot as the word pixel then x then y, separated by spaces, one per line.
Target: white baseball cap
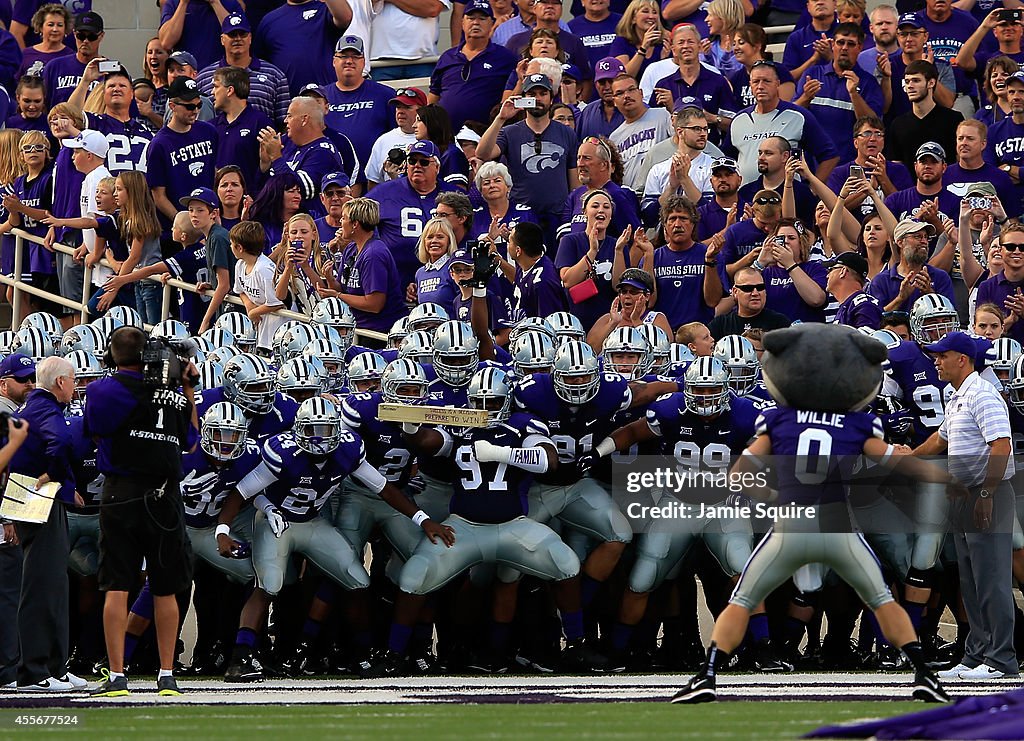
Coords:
pixel 91 141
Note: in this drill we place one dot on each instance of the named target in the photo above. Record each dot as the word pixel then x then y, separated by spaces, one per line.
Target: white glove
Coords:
pixel 410 428
pixel 486 452
pixel 276 521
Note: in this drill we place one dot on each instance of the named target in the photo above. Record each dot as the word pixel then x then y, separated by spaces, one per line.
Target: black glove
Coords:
pixel 896 418
pixel 484 266
pixel 585 463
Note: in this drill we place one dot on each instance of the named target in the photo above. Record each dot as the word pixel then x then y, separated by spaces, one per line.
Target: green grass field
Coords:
pixel 726 720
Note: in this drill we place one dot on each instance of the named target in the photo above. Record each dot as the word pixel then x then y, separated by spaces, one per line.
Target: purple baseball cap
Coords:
pixel 426 148
pixel 461 256
pixel 608 69
pixel 203 195
pixel 17 366
pixel 235 22
pixel 959 342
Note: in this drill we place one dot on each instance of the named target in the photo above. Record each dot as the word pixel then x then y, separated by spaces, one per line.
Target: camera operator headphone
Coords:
pixel 108 356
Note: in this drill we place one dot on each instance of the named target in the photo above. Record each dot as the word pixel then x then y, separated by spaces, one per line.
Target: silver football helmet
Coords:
pixel 418 346
pixel 333 312
pixel 365 371
pixel 6 340
pixel 566 327
pixel 887 337
pixel 83 337
pixel 490 389
pixel 249 383
pixel 1014 386
pixel 223 354
pixel 577 373
pixel 532 352
pixel 301 378
pixel 661 348
pixel 128 316
pixel 530 323
pixel 224 431
pixel 1001 355
pixel 932 318
pixel 404 382
pixel 291 343
pixel 241 328
pixel 456 353
pixel 706 387
pixel 680 355
pixel 738 356
pixel 398 332
pixel 33 342
pixel 332 356
pixel 219 337
pixel 211 375
pixel 87 369
pixel 170 329
pixel 427 318
pixel 317 427
pixel 47 322
pixel 626 351
pixel 106 324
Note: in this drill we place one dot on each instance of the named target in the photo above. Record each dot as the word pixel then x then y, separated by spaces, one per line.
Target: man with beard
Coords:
pixel 886 176
pixel 927 121
pixel 883 33
pixel 721 211
pixel 643 128
pixel 898 287
pixel 687 172
pixel 913 41
pixel 970 167
pixel 847 274
pixel 1006 137
pixel 772 155
pixel 1007 34
pixel 840 92
pixel 927 200
pixel 770 115
pixel 541 154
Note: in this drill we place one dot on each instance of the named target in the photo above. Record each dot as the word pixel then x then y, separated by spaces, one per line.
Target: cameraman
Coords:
pixel 141 430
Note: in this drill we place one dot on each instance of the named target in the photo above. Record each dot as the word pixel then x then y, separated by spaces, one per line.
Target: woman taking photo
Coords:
pixel 433 283
pixel 640 39
pixel 749 46
pixel 53 23
pixel 300 265
pixel 795 283
pixel 433 123
pixel 368 279
pixel 229 185
pixel 874 240
pixel 585 260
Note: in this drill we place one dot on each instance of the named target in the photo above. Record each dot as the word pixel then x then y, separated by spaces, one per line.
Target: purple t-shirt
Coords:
pixel 904 203
pixel 539 291
pixel 299 40
pixel 237 144
pixel 712 219
pixel 540 179
pixel 574 50
pixel 67 188
pixel 403 212
pixel 361 114
pixel 625 210
pixel 957 179
pixel 434 285
pixel 592 121
pixel 189 265
pixel 469 88
pixel 800 45
pixel 860 309
pixel 311 162
pixel 181 162
pixel 996 290
pixel 36 193
pixel 782 296
pixel 886 286
pixel 596 36
pixel 373 271
pixel 740 239
pixel 61 76
pixel 621 47
pixel 33 60
pixel 24 10
pixel 1006 146
pixel 947 37
pixel 200 35
pixel 571 250
pixel 679 276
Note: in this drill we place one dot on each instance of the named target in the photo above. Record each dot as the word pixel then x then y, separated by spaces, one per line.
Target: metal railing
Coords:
pixel 22 238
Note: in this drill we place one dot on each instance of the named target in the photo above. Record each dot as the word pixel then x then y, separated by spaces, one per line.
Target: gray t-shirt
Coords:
pixel 635 139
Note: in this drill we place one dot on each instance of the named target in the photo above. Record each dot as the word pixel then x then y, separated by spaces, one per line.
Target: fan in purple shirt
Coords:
pixel 795 284
pixel 63 74
pixel 298 37
pixel 1004 289
pixel 1005 147
pixel 28 109
pixel 367 278
pixel 847 275
pixel 749 235
pixel 433 283
pixel 538 288
pixel 238 125
pixel 898 287
pixel 596 30
pixel 573 49
pixel 195 27
pixel 930 169
pixel 31 201
pixel 601 117
pixel 181 156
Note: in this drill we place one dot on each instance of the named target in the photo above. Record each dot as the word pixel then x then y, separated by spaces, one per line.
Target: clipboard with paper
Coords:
pixel 22 502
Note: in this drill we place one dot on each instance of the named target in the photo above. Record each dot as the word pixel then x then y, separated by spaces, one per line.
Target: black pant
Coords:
pixel 43 611
pixel 10 594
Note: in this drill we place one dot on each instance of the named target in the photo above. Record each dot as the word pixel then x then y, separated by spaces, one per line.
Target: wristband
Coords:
pixel 605 447
pixel 756 265
pixel 888 454
pixel 222 530
pixel 419 518
pixel 792 267
pixel 410 428
pixel 480 292
pixel 711 263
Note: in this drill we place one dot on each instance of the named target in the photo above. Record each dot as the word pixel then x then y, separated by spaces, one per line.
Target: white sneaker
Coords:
pixel 9 686
pixel 982 673
pixel 77 682
pixel 956 671
pixel 47 685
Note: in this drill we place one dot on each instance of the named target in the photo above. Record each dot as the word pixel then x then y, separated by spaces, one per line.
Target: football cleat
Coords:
pixel 700 689
pixel 244 668
pixel 386 664
pixel 927 688
pixel 578 656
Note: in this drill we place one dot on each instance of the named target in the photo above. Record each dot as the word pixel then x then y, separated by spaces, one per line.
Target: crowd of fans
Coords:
pixel 648 179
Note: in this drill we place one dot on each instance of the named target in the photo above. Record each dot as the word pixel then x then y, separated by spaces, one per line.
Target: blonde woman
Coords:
pixel 11 167
pixel 724 19
pixel 367 278
pixel 795 283
pixel 299 264
pixel 52 23
pixel 640 38
pixel 433 283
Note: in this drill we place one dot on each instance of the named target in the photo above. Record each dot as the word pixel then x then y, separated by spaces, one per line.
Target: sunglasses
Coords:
pixel 188 106
pixel 26 379
pixel 419 161
pixel 598 143
pixel 765 200
pixel 750 287
pixel 86 36
pixel 32 148
pixel 404 92
pixel 538 144
pixel 895 315
pixel 1012 247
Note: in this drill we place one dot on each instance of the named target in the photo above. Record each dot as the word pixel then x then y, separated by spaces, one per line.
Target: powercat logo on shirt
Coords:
pixel 549 157
pixel 308 14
